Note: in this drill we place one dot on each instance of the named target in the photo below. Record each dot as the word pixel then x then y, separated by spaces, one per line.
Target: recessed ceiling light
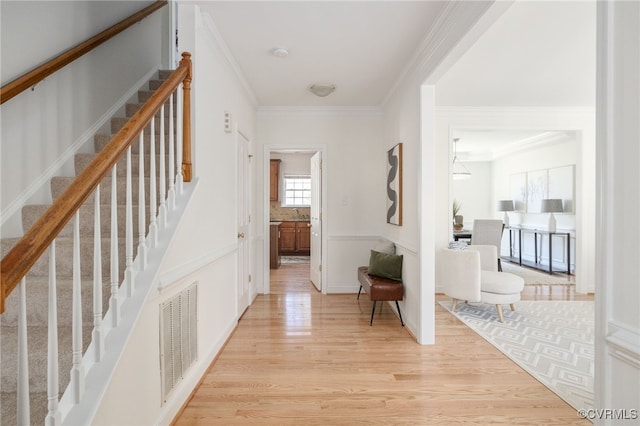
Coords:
pixel 280 52
pixel 322 90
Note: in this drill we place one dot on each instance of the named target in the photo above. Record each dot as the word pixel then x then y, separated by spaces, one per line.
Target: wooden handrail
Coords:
pixel 33 244
pixel 38 74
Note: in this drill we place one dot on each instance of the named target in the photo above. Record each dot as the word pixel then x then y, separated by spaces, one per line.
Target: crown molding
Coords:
pixel 452 112
pixel 292 111
pixel 527 144
pixel 455 21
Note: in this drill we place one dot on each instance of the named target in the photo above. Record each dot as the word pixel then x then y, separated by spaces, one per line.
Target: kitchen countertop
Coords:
pixel 289 220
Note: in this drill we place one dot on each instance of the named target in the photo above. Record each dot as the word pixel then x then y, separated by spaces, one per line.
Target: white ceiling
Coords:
pixel 361 47
pixel 538 53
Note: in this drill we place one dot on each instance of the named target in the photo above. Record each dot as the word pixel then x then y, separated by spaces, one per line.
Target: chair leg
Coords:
pixel 513 308
pixel 499 265
pixel 453 305
pixel 399 313
pixel 373 311
pixel 499 308
pixel 359 292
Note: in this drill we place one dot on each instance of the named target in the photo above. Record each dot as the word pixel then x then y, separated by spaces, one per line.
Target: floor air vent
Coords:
pixel 178 338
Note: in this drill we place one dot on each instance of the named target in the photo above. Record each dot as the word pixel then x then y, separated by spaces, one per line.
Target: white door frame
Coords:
pixel 268 149
pixel 244 294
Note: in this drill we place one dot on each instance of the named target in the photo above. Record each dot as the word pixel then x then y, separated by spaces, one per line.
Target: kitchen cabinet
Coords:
pixel 274 180
pixel 287 237
pixel 303 242
pixel 295 238
pixel 274 247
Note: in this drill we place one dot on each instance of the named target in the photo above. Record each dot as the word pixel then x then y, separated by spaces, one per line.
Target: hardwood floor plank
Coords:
pixel 299 357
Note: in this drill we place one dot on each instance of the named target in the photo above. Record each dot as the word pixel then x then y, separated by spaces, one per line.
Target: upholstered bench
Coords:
pixel 380 289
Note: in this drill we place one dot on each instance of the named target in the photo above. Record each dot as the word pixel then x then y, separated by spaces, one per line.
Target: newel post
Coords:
pixel 186 119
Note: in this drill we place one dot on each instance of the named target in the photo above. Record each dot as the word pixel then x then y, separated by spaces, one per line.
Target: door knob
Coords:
pixel 240 234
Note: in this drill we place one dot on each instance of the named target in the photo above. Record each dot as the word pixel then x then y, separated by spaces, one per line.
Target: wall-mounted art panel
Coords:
pixel 536 189
pixel 562 186
pixel 518 191
pixel 394 185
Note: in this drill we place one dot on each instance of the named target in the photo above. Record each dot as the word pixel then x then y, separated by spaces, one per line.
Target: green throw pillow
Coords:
pixel 385 265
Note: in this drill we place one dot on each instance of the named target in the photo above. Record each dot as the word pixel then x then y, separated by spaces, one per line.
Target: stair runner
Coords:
pixel 37 278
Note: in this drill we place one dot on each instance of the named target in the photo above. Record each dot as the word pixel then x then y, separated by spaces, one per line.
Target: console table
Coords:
pixel 535 264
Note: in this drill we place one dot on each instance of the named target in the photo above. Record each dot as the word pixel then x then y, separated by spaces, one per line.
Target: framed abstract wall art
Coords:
pixel 394 185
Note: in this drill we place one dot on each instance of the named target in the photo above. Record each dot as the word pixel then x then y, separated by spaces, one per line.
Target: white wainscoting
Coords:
pixel 347 252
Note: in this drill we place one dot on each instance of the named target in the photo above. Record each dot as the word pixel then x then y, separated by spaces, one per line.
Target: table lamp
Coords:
pixel 505 206
pixel 551 206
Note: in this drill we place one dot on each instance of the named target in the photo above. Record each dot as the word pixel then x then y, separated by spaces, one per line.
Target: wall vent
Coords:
pixel 178 338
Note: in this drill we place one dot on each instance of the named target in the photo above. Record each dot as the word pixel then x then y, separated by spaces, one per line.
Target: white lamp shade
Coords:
pixel 505 206
pixel 551 205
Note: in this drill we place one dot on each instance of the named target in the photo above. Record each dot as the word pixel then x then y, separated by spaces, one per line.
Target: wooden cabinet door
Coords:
pixel 274 180
pixel 287 237
pixel 303 237
pixel 274 247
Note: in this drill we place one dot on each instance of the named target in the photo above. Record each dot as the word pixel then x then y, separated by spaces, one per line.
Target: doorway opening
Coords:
pixel 294 202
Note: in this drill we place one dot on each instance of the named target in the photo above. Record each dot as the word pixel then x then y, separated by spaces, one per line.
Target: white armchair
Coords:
pixel 472 275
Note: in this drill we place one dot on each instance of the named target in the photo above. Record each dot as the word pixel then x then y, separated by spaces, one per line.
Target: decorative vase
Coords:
pixel 457 222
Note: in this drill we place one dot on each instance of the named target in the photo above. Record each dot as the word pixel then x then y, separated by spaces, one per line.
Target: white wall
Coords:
pixel 42 128
pixel 205 249
pixel 403 124
pixel 475 195
pixel 294 164
pixel 617 339
pixel 355 170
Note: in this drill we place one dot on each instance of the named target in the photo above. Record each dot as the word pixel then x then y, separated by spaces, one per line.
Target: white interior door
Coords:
pixel 316 221
pixel 243 222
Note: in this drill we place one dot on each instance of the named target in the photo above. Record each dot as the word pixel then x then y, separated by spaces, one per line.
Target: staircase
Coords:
pixel 38 278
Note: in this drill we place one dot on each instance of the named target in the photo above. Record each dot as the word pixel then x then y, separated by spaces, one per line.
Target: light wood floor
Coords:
pixel 300 358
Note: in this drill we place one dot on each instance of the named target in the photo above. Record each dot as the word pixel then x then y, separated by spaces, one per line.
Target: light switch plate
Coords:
pixel 227 122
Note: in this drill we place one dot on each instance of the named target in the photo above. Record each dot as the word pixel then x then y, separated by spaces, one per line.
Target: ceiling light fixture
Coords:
pixel 280 52
pixel 458 170
pixel 322 90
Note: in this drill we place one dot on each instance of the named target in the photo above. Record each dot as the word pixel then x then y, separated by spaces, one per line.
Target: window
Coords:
pixel 297 191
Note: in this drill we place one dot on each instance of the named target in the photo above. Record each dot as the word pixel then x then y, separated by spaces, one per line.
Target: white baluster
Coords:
pixel 129 272
pixel 162 212
pixel 53 415
pixel 114 300
pixel 142 246
pixel 171 197
pixel 24 409
pixel 153 211
pixel 97 335
pixel 179 142
pixel 77 369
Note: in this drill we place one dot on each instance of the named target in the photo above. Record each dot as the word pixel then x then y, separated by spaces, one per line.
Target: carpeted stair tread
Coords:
pixel 131 108
pixel 37 337
pixel 64 258
pixel 38 405
pixel 83 160
pixel 164 74
pixel 101 140
pixel 60 183
pixel 38 302
pixel 32 212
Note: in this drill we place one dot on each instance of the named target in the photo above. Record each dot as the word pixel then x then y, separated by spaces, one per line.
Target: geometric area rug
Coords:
pixel 551 340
